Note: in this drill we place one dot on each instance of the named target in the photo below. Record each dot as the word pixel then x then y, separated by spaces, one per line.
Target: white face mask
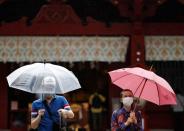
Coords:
pixel 48 96
pixel 127 101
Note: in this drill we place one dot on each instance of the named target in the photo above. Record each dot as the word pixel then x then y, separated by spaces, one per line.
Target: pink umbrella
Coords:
pixel 144 84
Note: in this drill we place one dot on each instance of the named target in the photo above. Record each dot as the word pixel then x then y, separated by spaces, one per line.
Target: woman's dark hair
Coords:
pixel 121 93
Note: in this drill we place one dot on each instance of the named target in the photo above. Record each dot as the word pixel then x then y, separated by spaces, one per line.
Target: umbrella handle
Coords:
pixel 135 105
pixel 61 122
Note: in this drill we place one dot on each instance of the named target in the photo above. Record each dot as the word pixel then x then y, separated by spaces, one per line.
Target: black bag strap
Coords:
pixel 48 109
pixel 62 121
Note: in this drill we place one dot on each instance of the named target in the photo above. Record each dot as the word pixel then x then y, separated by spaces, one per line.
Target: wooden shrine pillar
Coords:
pixel 3 98
pixel 137 46
pixel 137 51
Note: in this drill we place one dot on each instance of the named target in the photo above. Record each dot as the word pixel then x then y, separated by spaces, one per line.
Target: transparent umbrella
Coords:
pixel 29 78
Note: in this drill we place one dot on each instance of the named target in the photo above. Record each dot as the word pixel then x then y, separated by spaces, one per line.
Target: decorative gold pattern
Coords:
pixel 62 49
pixel 164 48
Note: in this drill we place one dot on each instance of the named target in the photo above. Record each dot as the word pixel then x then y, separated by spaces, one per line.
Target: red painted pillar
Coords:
pixel 3 98
pixel 137 39
pixel 137 46
pixel 138 4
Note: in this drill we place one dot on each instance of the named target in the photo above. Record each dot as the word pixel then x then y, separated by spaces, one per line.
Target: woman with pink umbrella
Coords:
pixel 143 84
pixel 126 118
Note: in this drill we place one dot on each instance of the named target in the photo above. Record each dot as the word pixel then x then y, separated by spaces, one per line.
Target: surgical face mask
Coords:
pixel 45 96
pixel 127 101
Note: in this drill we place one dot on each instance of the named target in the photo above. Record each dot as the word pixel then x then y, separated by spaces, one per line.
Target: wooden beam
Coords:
pixel 163 28
pixel 20 29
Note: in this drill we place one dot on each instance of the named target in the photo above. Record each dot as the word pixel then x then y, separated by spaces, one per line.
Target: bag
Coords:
pixel 56 127
pixel 59 127
pixel 96 101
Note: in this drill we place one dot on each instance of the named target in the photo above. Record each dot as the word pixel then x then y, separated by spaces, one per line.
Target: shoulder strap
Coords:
pixel 48 109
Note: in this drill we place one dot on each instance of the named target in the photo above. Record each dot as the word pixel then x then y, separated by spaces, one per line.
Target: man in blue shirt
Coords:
pixel 50 109
pixel 126 118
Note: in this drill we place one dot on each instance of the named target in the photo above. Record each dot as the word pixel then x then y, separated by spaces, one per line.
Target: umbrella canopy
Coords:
pixel 144 84
pixel 30 78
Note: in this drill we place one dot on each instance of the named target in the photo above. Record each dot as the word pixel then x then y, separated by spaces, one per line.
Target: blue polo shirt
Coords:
pixel 58 102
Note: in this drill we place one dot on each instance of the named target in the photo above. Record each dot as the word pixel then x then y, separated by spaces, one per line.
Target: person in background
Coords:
pixel 126 118
pixel 96 101
pixel 49 112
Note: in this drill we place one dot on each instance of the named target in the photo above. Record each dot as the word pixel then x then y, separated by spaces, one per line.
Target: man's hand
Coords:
pixel 63 113
pixel 41 112
pixel 36 121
